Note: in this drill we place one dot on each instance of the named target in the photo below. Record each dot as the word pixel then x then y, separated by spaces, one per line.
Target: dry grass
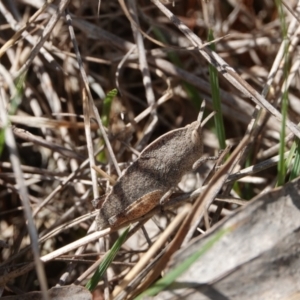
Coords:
pixel 59 138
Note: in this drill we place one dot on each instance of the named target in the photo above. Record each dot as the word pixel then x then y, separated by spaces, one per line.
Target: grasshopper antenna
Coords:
pixel 202 108
pixel 200 115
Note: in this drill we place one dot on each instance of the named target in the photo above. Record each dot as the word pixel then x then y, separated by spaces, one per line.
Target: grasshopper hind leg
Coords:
pixel 137 209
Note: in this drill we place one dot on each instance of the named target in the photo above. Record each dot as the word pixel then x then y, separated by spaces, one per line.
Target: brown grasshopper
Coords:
pixel 151 179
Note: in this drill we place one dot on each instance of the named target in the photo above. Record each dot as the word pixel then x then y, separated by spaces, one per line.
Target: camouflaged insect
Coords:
pixel 151 179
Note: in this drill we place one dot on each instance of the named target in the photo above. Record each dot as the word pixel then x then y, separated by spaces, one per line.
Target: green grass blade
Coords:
pixel 183 267
pixel 107 105
pixel 295 171
pixel 107 260
pixel 215 91
pixel 14 103
pixel 281 166
pixel 105 117
pixel 2 140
